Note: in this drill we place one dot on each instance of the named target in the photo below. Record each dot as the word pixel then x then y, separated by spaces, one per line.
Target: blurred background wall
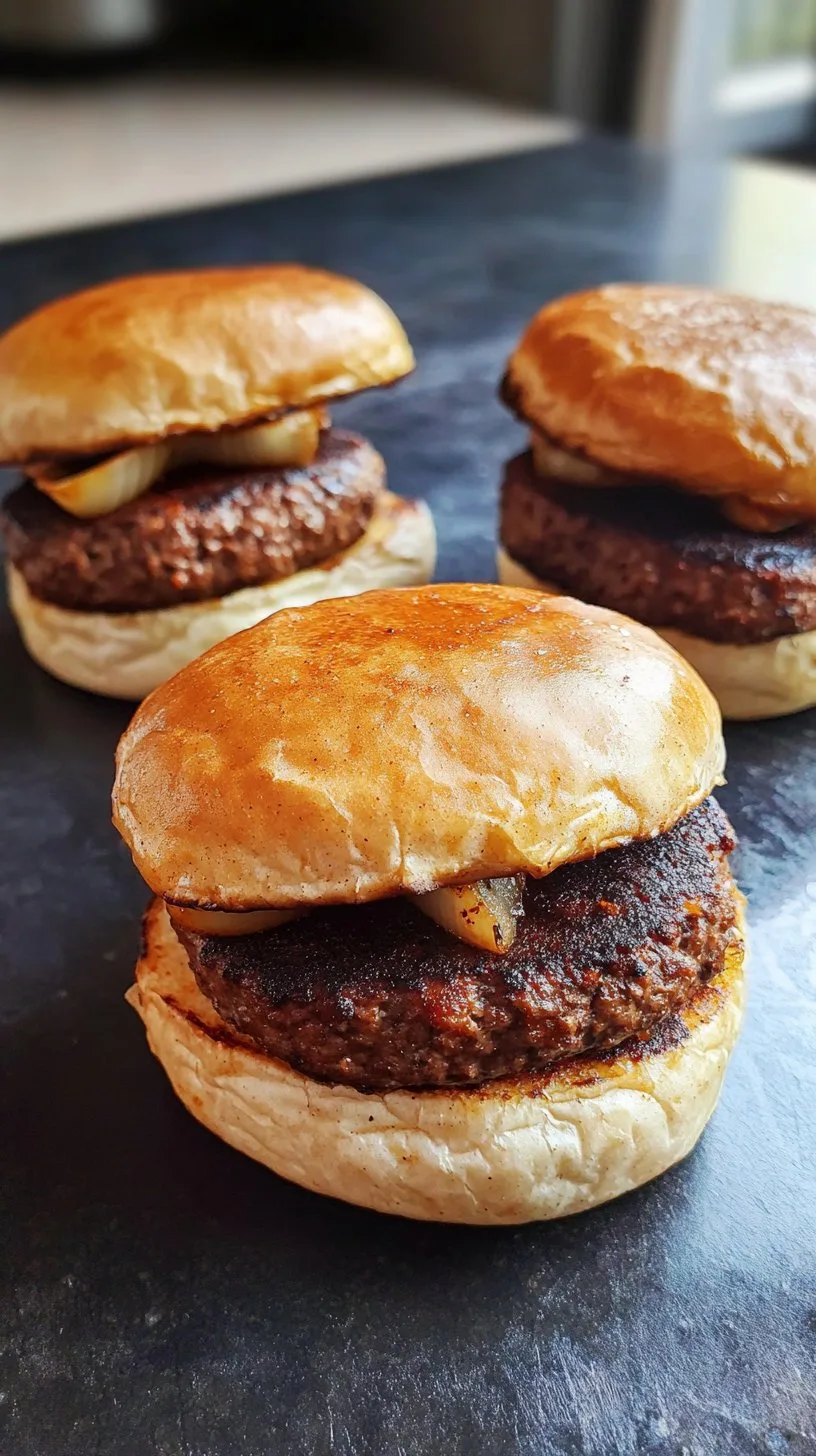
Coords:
pixel 112 107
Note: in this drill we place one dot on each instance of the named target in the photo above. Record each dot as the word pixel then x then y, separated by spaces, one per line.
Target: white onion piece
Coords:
pixel 483 913
pixel 291 440
pixel 107 486
pixel 230 922
pixel 550 460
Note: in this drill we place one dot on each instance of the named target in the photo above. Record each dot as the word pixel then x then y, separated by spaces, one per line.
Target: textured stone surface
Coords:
pixel 160 1293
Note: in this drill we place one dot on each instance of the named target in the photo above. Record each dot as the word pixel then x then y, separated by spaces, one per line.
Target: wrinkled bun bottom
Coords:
pixel 755 680
pixel 127 654
pixel 536 1147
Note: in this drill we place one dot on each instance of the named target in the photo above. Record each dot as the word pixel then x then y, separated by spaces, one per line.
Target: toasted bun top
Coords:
pixel 143 357
pixel 405 739
pixel 714 391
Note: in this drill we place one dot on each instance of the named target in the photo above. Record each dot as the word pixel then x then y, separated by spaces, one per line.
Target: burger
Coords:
pixel 182 476
pixel 444 923
pixel 672 476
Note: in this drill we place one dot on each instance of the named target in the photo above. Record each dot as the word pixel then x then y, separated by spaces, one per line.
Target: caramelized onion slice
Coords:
pixel 753 516
pixel 107 486
pixel 483 913
pixel 550 460
pixel 291 440
pixel 230 922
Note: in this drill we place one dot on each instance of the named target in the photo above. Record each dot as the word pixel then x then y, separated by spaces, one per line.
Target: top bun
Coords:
pixel 401 740
pixel 712 390
pixel 163 353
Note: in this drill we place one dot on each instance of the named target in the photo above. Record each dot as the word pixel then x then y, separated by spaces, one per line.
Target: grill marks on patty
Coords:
pixel 199 533
pixel 378 996
pixel 660 555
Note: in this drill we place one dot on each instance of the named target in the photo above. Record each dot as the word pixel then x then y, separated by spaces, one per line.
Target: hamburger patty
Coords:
pixel 660 555
pixel 380 997
pixel 199 533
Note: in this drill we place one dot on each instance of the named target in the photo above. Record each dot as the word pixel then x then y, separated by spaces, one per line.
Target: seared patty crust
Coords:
pixel 380 997
pixel 200 533
pixel 658 554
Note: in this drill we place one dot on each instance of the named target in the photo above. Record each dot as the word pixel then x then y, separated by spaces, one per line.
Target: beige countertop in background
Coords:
pixel 99 151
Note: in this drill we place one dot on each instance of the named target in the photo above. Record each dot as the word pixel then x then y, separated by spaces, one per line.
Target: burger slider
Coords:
pixel 183 479
pixel 672 476
pixel 446 928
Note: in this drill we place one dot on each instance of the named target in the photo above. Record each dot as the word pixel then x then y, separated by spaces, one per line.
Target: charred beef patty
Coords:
pixel 379 996
pixel 199 533
pixel 660 555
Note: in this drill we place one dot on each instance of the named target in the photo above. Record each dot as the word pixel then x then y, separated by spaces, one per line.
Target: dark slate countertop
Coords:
pixel 160 1293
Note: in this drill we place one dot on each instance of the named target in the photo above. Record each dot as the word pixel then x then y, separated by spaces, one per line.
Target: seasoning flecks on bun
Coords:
pixel 672 474
pixel 175 437
pixel 303 829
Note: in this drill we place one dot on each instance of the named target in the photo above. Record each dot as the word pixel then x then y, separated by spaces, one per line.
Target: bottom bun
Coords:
pixel 754 680
pixel 127 654
pixel 508 1152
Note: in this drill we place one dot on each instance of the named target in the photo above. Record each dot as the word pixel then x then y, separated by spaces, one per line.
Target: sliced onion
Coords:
pixel 551 460
pixel 483 913
pixel 291 440
pixel 230 922
pixel 107 486
pixel 752 516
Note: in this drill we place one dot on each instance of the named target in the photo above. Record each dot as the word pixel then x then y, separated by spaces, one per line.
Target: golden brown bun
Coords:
pixel 756 680
pixel 149 356
pixel 127 654
pixel 712 390
pixel 401 740
pixel 504 1153
pixel 750 681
